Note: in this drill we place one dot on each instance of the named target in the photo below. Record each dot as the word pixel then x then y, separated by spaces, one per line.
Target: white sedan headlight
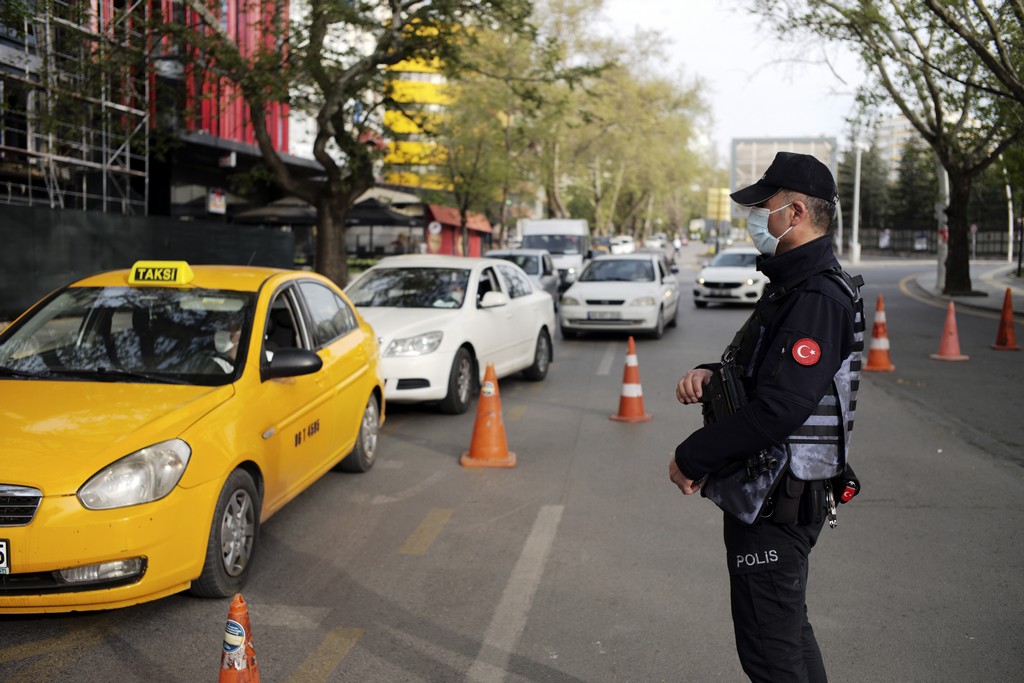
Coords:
pixel 146 475
pixel 419 345
pixel 570 301
pixel 643 301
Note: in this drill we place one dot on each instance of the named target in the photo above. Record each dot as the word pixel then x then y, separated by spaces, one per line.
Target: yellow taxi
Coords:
pixel 154 417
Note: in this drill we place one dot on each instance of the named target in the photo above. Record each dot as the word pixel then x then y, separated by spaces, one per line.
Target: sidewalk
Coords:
pixel 989 279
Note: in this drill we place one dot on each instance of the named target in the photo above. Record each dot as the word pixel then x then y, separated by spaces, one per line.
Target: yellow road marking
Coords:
pixel 78 639
pixel 515 413
pixel 319 665
pixel 420 540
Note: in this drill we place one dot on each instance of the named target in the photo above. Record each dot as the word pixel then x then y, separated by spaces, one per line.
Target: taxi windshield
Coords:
pixel 131 334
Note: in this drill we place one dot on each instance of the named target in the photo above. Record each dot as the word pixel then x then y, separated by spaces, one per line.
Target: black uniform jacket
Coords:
pixel 788 363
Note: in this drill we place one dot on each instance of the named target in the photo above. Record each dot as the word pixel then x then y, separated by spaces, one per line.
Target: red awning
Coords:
pixel 449 216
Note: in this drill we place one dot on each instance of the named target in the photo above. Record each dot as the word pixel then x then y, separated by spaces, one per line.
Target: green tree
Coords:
pixel 331 62
pixel 931 75
pixel 916 190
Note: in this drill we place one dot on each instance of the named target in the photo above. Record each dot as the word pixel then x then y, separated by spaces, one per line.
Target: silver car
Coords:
pixel 536 263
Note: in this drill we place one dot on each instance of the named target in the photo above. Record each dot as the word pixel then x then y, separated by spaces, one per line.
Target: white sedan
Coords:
pixel 629 292
pixel 730 277
pixel 442 319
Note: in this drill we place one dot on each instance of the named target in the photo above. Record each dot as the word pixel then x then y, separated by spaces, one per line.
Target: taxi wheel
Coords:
pixel 361 458
pixel 233 534
pixel 460 384
pixel 675 316
pixel 541 358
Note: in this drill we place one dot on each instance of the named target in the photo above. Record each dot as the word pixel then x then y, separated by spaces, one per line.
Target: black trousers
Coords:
pixel 768 579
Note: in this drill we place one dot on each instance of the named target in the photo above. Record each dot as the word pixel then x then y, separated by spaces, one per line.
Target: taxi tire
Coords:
pixel 675 316
pixel 239 492
pixel 541 358
pixel 363 453
pixel 659 329
pixel 462 373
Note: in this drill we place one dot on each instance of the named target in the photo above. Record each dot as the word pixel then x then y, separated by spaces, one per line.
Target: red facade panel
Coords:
pixel 215 104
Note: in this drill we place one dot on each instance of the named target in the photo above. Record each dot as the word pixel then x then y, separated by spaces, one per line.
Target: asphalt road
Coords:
pixel 584 563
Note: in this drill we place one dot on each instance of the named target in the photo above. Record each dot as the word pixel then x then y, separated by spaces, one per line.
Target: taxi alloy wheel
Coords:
pixel 233 536
pixel 460 384
pixel 541 358
pixel 364 452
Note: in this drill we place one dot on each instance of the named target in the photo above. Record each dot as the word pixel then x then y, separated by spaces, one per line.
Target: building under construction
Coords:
pixel 74 106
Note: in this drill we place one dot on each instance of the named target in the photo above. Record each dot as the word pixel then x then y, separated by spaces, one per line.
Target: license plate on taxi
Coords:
pixel 603 315
pixel 5 549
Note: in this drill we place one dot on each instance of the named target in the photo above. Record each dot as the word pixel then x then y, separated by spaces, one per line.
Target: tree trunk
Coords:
pixel 555 207
pixel 958 266
pixel 331 252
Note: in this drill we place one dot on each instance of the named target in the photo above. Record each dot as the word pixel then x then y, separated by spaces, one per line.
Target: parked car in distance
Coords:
pixel 622 244
pixel 629 292
pixel 537 264
pixel 443 319
pixel 157 416
pixel 730 277
pixel 658 240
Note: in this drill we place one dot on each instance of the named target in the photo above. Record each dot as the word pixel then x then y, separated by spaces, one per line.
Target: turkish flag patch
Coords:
pixel 806 351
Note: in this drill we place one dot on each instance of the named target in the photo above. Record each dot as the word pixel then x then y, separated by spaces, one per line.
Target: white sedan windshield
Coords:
pixel 410 288
pixel 619 270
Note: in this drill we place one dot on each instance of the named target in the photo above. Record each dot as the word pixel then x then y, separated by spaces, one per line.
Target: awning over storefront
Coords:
pixel 450 216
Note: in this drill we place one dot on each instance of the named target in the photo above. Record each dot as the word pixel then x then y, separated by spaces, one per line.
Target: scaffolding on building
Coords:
pixel 74 107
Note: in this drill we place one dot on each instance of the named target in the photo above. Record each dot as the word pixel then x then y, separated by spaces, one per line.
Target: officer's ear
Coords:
pixel 799 211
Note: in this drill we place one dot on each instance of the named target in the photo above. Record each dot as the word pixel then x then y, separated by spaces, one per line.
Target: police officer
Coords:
pixel 768 465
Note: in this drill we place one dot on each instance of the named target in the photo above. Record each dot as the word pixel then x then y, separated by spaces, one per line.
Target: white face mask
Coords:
pixel 757 228
pixel 223 341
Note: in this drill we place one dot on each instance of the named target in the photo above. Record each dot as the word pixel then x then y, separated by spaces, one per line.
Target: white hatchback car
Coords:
pixel 442 319
pixel 628 292
pixel 730 277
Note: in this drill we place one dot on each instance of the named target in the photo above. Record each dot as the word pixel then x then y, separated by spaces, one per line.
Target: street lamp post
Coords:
pixel 855 227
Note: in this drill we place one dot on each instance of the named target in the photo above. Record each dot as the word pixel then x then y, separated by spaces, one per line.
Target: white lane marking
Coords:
pixel 606 361
pixel 509 618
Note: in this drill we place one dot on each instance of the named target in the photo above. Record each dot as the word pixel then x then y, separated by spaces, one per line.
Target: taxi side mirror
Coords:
pixel 291 363
pixel 493 300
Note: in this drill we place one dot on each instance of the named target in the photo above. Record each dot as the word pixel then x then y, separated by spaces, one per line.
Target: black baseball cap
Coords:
pixel 798 172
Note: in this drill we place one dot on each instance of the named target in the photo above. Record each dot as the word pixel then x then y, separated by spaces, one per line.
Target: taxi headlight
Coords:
pixel 750 281
pixel 642 301
pixel 570 301
pixel 419 345
pixel 146 475
pixel 700 281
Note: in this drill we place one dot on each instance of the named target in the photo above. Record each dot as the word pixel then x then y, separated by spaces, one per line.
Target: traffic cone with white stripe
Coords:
pixel 631 400
pixel 489 446
pixel 949 345
pixel 878 351
pixel 238 659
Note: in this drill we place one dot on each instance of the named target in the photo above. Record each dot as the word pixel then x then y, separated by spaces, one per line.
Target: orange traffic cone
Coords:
pixel 949 346
pixel 489 447
pixel 631 399
pixel 878 351
pixel 238 660
pixel 1005 338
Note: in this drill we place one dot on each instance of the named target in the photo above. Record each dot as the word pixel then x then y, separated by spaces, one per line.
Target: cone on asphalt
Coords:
pixel 949 345
pixel 238 658
pixel 878 351
pixel 1006 340
pixel 489 447
pixel 631 398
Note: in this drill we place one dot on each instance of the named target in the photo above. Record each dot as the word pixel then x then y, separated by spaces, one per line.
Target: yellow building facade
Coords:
pixel 414 158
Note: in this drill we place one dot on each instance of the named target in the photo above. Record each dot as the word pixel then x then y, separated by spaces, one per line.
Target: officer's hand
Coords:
pixel 687 486
pixel 691 386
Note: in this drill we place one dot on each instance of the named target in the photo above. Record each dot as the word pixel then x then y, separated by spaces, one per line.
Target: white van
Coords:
pixel 568 240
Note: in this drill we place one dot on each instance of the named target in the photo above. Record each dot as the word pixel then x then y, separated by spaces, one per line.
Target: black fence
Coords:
pixel 42 249
pixel 984 244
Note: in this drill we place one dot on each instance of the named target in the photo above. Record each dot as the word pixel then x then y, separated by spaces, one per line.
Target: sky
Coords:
pixel 753 88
